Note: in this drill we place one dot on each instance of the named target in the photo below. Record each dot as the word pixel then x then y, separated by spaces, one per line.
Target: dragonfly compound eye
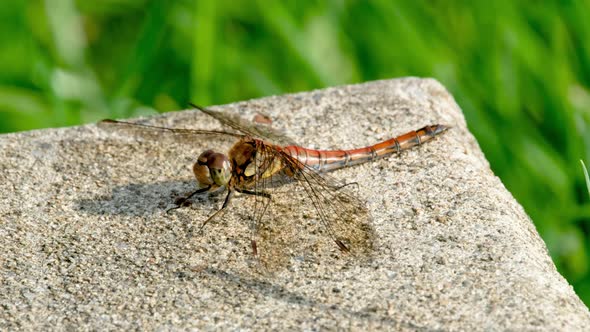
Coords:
pixel 212 168
pixel 219 168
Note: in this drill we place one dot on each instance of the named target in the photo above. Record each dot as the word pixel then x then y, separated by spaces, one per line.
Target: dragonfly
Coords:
pixel 263 159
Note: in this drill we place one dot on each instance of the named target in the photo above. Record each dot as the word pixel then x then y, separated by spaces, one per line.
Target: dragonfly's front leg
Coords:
pixel 182 201
pixel 230 194
pixel 257 220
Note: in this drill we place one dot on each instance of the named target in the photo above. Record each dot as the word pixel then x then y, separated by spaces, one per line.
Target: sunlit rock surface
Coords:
pixel 85 242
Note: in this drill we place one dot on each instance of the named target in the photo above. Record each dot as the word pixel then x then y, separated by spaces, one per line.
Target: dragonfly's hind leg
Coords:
pixel 342 246
pixel 356 184
pixel 254 193
pixel 182 201
pixel 259 218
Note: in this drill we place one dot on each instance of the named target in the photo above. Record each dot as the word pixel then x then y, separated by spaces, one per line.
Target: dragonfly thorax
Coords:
pixel 252 160
pixel 212 169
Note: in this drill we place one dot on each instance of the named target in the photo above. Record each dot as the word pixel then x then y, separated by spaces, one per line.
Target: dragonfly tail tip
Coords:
pixel 439 128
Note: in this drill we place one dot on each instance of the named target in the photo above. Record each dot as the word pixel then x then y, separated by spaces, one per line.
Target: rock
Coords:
pixel 87 244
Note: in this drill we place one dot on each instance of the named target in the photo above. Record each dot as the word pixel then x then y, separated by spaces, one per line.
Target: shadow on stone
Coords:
pixel 223 282
pixel 139 199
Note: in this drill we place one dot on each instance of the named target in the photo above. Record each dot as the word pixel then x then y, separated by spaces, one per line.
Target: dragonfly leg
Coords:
pixel 230 194
pixel 181 201
pixel 257 221
pixel 253 193
pixel 348 184
pixel 342 246
pixel 356 184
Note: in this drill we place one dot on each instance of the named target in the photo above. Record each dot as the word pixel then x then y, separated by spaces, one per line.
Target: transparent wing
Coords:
pixel 307 208
pixel 345 217
pixel 249 128
pixel 163 133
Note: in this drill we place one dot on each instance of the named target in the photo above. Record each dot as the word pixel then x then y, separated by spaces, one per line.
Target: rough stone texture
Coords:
pixel 85 243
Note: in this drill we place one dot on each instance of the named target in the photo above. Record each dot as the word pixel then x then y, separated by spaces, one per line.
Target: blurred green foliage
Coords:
pixel 520 71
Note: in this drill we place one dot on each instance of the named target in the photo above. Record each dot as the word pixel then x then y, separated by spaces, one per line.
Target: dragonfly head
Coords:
pixel 212 168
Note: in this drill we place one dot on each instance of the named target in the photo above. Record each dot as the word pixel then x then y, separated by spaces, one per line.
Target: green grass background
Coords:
pixel 520 70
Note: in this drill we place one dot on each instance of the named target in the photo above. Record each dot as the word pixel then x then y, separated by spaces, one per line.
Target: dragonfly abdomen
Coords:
pixel 328 160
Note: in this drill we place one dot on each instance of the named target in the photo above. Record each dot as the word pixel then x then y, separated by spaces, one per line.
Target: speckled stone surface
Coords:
pixel 85 243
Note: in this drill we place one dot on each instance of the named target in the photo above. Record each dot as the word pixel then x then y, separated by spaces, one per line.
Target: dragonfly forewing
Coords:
pixel 260 131
pixel 165 134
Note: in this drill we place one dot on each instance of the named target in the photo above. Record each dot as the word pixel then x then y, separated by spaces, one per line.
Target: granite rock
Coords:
pixel 86 244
